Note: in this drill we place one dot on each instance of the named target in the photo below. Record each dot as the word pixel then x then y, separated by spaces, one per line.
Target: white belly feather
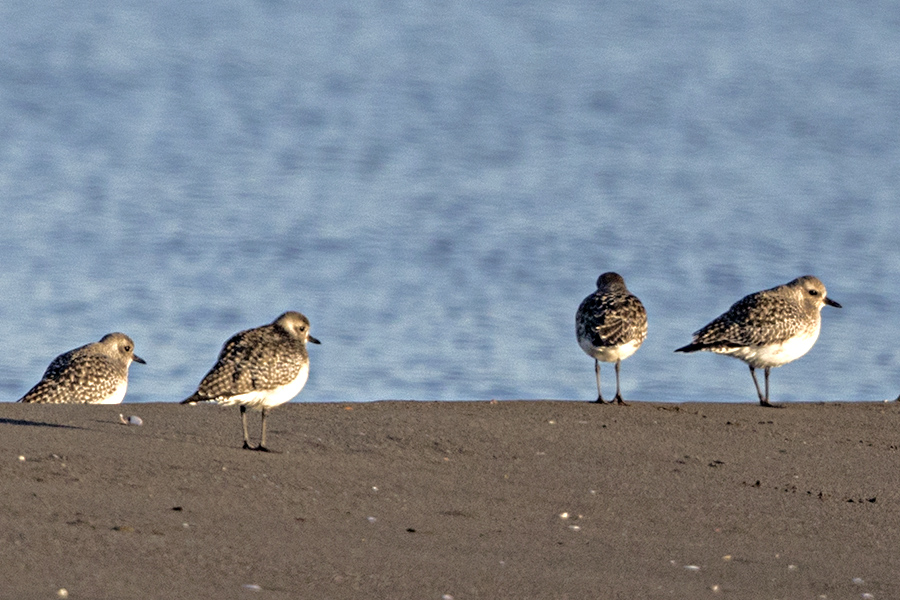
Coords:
pixel 610 353
pixel 774 355
pixel 117 396
pixel 260 399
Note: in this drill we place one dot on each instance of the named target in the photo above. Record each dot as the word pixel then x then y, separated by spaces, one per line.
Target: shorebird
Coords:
pixel 259 368
pixel 96 373
pixel 768 328
pixel 611 324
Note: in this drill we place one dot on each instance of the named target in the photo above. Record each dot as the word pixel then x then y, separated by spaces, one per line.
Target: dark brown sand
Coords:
pixel 425 500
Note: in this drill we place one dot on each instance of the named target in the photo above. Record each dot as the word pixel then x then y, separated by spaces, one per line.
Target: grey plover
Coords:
pixel 767 329
pixel 96 373
pixel 259 368
pixel 611 324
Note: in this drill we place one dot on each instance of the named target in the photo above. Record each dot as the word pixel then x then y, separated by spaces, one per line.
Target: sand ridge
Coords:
pixel 512 499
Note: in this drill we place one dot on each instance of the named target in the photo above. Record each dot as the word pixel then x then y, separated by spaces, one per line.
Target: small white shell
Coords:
pixel 132 420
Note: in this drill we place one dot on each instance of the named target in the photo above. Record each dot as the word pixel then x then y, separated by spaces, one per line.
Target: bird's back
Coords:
pixel 611 319
pixel 258 359
pixel 77 376
pixel 762 318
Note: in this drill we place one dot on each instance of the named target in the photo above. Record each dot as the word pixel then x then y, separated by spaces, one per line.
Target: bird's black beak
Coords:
pixel 831 302
pixel 137 358
pixel 313 340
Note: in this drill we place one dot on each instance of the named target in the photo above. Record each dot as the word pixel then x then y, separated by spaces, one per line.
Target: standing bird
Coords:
pixel 259 368
pixel 611 324
pixel 96 373
pixel 769 328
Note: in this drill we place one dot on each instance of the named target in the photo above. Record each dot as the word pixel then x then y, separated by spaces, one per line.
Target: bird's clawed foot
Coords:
pixel 617 400
pixel 260 448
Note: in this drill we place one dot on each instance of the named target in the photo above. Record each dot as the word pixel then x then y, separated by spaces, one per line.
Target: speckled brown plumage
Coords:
pixel 96 373
pixel 610 324
pixel 258 359
pixel 259 368
pixel 767 329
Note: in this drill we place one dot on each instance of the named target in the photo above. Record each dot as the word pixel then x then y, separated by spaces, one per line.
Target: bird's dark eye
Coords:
pixel 127 348
pixel 813 292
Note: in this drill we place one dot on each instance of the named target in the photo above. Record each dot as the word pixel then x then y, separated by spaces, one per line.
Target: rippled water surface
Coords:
pixel 438 187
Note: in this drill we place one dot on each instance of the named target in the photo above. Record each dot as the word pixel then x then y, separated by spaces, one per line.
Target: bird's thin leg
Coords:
pixel 763 400
pixel 247 445
pixel 759 393
pixel 597 371
pixel 262 440
pixel 619 399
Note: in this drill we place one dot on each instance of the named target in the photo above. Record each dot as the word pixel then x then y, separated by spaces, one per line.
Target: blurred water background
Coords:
pixel 437 185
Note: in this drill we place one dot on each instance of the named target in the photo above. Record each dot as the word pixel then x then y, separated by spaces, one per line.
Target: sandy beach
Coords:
pixel 461 500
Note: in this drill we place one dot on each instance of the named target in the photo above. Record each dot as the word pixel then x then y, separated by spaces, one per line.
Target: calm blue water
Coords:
pixel 438 185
